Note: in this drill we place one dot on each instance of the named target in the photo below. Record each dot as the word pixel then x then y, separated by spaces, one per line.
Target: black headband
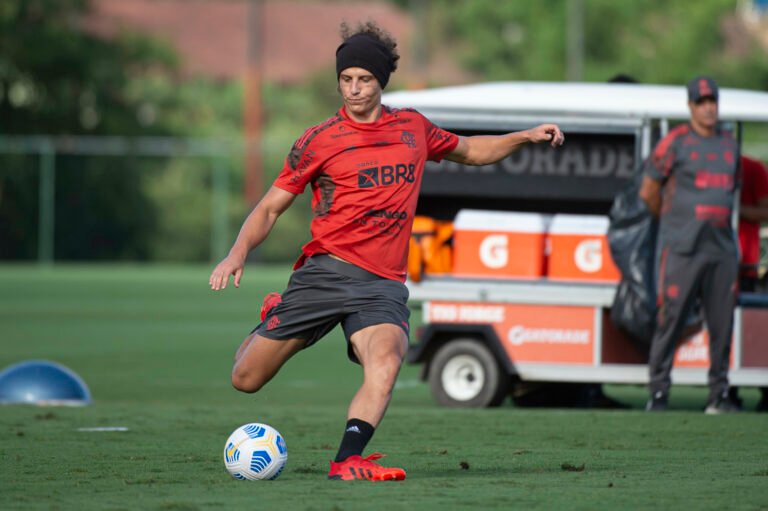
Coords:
pixel 362 50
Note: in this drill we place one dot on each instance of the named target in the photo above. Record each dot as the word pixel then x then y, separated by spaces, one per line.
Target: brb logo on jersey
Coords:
pixel 386 175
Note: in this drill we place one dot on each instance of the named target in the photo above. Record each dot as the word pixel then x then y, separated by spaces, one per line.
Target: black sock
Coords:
pixel 357 434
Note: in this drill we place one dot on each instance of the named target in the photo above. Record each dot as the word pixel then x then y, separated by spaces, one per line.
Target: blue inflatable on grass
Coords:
pixel 40 382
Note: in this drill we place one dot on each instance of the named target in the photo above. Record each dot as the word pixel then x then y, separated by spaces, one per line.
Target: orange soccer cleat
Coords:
pixel 357 467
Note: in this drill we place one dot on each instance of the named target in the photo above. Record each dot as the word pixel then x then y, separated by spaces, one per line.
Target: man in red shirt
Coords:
pixel 364 166
pixel 752 211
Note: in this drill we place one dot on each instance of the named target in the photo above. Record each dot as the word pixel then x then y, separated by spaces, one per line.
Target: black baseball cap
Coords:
pixel 702 87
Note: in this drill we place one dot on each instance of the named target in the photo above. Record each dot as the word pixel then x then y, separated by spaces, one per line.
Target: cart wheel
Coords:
pixel 464 373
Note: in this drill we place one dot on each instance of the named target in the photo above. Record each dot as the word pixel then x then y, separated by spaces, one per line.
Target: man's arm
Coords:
pixel 755 176
pixel 255 230
pixel 486 149
pixel 755 213
pixel 650 192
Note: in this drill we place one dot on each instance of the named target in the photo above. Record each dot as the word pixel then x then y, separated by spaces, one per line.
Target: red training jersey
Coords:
pixel 365 180
pixel 754 188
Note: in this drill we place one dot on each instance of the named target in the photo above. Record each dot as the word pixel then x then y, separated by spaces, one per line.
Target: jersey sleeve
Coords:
pixel 301 166
pixel 439 141
pixel 659 165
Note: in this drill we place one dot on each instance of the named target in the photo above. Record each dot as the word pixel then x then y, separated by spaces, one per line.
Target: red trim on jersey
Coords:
pixel 719 216
pixel 706 179
pixel 661 282
pixel 662 157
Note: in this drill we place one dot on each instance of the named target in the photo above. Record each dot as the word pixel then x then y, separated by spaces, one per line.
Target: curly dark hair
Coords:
pixel 370 28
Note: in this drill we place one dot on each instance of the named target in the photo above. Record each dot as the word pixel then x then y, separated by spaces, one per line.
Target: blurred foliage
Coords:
pixel 61 78
pixel 179 188
pixel 19 183
pixel 56 78
pixel 288 112
pixel 656 41
pixel 507 40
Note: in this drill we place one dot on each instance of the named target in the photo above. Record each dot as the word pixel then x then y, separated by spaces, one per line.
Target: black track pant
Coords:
pixel 682 278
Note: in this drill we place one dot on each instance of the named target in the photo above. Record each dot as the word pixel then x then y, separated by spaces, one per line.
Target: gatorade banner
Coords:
pixel 555 334
pixel 587 167
pixel 694 352
pixel 529 333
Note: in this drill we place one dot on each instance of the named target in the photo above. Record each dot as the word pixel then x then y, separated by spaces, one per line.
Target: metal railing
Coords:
pixel 47 147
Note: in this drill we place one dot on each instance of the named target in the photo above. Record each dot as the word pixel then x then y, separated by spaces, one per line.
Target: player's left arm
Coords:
pixel 486 149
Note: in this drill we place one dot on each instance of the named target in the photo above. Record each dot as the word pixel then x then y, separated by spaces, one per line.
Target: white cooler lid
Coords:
pixel 504 221
pixel 579 224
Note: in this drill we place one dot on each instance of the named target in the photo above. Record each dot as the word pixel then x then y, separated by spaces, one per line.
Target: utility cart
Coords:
pixel 490 326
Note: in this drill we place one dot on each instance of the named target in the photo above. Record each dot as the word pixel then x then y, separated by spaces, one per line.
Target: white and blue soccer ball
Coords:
pixel 255 451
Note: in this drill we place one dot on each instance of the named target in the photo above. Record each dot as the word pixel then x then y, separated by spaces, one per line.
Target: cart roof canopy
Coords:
pixel 569 100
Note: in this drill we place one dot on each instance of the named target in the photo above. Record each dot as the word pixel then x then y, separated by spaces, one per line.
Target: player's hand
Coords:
pixel 230 265
pixel 547 133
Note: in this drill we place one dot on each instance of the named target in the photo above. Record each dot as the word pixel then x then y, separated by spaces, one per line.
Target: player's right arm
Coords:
pixel 487 149
pixel 254 231
pixel 650 193
pixel 302 165
pixel 657 169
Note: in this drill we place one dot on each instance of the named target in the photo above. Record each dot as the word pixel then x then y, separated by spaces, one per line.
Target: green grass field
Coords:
pixel 155 347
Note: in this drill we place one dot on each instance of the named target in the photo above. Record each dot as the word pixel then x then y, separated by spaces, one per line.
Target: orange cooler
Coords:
pixel 578 249
pixel 499 244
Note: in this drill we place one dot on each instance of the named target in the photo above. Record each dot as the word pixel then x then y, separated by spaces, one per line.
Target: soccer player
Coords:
pixel 364 165
pixel 689 184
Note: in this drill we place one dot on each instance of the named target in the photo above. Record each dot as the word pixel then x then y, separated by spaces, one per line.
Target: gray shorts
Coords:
pixel 325 292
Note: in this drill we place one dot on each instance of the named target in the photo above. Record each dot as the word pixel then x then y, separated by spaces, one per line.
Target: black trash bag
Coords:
pixel 634 313
pixel 632 237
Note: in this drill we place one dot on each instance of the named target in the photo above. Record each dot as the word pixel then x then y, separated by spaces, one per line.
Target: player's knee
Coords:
pixel 394 360
pixel 387 369
pixel 246 381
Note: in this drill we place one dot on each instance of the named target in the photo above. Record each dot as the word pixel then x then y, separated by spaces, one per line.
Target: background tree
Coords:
pixel 657 41
pixel 58 79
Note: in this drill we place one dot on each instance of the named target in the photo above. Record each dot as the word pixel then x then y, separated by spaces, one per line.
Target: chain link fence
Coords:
pixel 81 198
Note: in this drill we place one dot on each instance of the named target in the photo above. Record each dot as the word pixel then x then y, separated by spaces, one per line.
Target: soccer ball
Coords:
pixel 255 451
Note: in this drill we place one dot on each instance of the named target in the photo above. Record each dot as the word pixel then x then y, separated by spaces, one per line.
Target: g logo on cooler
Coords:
pixel 588 256
pixel 494 252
